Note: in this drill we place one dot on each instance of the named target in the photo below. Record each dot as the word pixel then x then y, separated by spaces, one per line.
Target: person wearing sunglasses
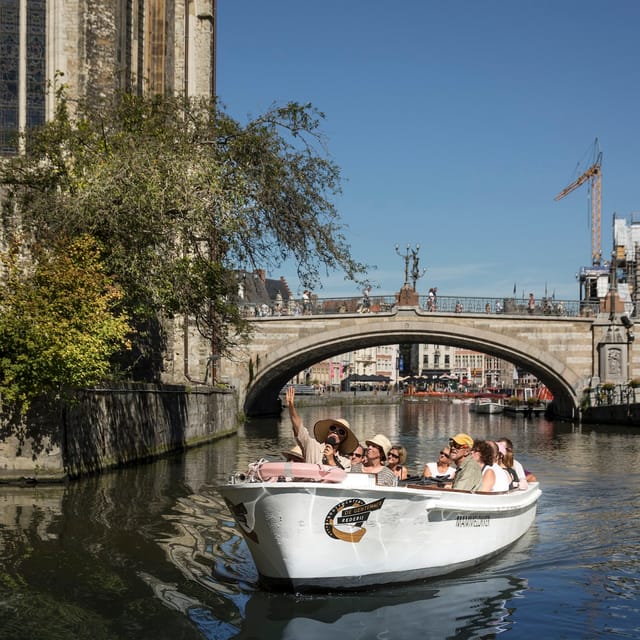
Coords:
pixel 396 459
pixel 332 431
pixel 374 460
pixel 357 454
pixel 441 470
pixel 468 476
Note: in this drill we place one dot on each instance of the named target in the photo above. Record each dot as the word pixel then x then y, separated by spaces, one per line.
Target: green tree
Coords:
pixel 180 195
pixel 60 322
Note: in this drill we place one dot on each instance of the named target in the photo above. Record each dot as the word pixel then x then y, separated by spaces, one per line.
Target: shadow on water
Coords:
pixel 444 609
pixel 152 552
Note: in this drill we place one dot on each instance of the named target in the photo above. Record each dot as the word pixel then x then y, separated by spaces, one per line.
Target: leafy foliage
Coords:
pixel 60 321
pixel 179 195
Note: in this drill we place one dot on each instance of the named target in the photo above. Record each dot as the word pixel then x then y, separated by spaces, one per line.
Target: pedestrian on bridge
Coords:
pixel 531 305
pixel 432 303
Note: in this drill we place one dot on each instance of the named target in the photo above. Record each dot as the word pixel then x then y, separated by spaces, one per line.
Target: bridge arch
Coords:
pixel 273 370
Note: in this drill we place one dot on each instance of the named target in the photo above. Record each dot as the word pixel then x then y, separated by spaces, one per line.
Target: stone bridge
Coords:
pixel 565 353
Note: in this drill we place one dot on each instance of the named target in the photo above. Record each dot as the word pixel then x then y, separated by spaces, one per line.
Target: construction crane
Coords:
pixel 594 174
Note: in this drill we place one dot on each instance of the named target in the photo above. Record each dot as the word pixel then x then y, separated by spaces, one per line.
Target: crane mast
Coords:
pixel 594 175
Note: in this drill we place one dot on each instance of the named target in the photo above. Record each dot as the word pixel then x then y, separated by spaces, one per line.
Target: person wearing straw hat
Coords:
pixel 378 449
pixel 333 431
pixel 294 454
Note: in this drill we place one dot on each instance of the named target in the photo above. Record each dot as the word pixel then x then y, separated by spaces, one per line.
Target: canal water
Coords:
pixel 151 552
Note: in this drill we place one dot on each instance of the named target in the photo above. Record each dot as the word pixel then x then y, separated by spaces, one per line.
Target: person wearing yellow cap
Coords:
pixel 468 476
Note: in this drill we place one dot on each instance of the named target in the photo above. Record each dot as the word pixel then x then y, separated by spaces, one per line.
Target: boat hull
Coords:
pixel 316 536
pixel 523 410
pixel 489 407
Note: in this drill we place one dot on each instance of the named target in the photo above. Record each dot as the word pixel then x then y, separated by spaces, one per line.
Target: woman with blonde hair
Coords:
pixel 523 476
pixel 396 459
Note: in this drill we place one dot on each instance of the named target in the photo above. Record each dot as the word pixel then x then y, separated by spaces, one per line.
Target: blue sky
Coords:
pixel 455 124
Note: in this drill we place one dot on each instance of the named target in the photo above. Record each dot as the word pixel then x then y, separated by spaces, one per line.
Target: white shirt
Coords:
pixel 522 476
pixel 433 468
pixel 503 478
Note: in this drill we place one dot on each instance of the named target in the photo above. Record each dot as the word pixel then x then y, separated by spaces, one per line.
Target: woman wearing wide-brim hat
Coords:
pixel 338 427
pixel 333 430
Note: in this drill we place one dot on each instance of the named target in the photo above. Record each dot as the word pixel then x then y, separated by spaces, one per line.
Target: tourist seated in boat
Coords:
pixel 499 463
pixel 335 430
pixel 330 455
pixel 494 477
pixel 514 481
pixel 468 476
pixel 441 470
pixel 294 454
pixel 357 455
pixel 375 457
pixel 524 476
pixel 396 459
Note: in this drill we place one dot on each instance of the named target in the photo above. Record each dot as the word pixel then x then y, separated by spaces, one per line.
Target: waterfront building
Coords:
pixel 443 367
pixel 375 367
pixel 262 296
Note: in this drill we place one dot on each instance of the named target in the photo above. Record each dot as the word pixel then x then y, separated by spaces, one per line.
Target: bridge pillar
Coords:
pixel 613 353
pixel 408 297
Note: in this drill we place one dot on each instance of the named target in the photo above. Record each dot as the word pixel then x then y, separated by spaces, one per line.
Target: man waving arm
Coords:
pixel 296 422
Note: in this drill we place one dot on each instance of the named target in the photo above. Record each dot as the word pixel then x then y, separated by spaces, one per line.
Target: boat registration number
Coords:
pixel 471 520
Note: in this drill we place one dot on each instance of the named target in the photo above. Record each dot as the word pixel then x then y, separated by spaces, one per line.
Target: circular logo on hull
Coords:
pixel 346 520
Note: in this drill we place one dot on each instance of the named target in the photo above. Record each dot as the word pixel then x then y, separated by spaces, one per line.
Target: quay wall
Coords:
pixel 614 414
pixel 107 428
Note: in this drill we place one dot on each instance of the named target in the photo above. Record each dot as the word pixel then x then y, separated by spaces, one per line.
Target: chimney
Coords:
pixel 286 287
pixel 262 275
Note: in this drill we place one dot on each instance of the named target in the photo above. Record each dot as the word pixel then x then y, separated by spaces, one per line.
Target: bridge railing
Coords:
pixel 511 306
pixel 609 394
pixel 441 304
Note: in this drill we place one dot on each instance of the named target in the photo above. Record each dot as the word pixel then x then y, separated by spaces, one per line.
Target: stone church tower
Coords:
pixel 146 47
pixel 142 46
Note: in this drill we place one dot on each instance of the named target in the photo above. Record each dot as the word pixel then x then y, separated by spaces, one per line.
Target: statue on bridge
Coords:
pixel 408 295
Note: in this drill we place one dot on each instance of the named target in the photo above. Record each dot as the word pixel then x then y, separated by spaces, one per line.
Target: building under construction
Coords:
pixel 626 258
pixel 607 285
pixel 620 275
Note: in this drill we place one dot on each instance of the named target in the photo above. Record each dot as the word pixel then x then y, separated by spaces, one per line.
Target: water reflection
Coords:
pixel 452 609
pixel 152 552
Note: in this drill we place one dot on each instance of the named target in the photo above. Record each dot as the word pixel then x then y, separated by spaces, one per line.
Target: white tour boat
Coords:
pixel 487 405
pixel 314 527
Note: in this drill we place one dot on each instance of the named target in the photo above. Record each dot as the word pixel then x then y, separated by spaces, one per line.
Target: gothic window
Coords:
pixel 9 58
pixel 12 85
pixel 35 79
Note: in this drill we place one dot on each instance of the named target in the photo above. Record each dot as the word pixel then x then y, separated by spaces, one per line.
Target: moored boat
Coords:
pixel 525 410
pixel 348 533
pixel 487 405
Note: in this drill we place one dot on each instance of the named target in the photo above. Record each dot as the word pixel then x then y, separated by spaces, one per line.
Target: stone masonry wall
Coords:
pixel 107 428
